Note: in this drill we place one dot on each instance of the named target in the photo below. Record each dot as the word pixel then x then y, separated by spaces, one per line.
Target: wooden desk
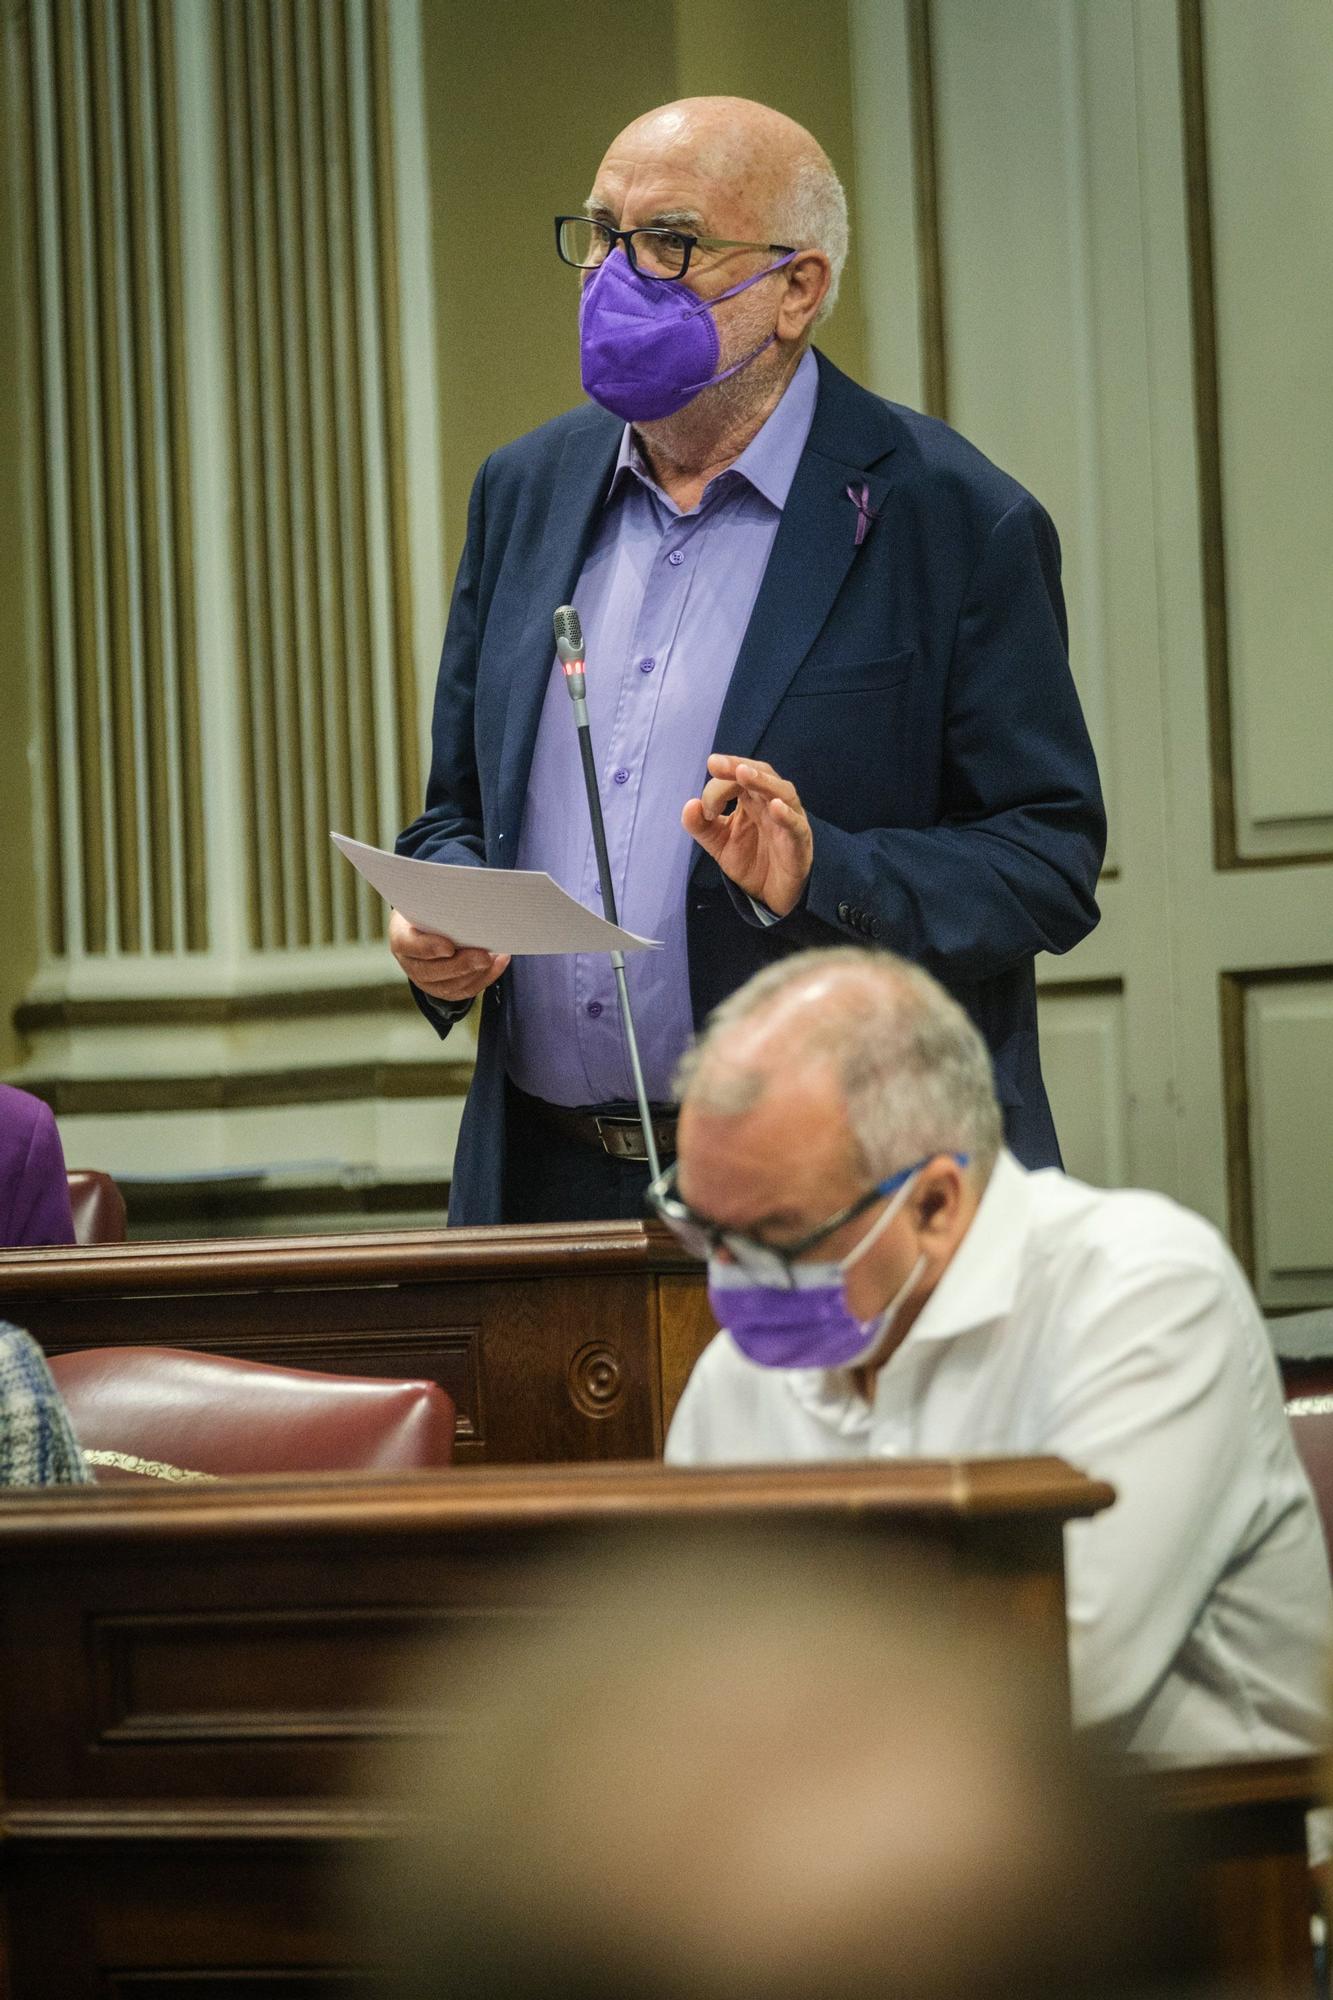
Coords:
pixel 557 1343
pixel 1245 1823
pixel 187 1670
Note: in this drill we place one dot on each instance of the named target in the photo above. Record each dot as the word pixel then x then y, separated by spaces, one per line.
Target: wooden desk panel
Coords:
pixel 1245 1824
pixel 556 1344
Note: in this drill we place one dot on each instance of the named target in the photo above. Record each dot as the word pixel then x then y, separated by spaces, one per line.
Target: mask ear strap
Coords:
pixel 883 1223
pixel 711 381
pixel 706 305
pixel 746 283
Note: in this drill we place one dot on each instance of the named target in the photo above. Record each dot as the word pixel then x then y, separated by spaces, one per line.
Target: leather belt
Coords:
pixel 617 1133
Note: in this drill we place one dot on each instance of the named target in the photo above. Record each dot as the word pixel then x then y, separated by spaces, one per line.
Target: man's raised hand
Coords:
pixel 444 970
pixel 764 844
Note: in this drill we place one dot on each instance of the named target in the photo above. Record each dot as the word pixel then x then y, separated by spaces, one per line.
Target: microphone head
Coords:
pixel 568 636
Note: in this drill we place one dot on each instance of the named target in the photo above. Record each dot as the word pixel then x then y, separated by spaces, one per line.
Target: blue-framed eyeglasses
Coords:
pixel 703 1237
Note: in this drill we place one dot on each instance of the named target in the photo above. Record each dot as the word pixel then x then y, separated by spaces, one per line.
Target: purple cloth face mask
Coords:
pixel 810 1326
pixel 647 346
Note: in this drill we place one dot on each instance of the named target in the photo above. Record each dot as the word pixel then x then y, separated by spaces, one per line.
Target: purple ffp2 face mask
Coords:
pixel 647 346
pixel 809 1325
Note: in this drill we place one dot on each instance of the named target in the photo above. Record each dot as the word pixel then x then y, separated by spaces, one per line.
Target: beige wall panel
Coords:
pixel 347 1141
pixel 1048 333
pixel 1083 1061
pixel 1289 1041
pixel 1226 925
pixel 1269 86
pixel 1024 332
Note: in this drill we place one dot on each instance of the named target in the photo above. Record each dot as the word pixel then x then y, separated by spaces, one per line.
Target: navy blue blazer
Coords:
pixel 915 689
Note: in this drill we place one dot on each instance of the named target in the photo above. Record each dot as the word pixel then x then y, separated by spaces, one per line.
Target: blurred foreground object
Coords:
pixel 756 1769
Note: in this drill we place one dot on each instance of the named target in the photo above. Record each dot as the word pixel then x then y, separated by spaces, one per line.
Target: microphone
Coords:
pixel 569 645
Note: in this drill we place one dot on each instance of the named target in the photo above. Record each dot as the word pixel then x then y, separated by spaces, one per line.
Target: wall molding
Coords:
pixel 1227 854
pixel 1234 991
pixel 926 197
pixel 213 1010
pixel 248 1090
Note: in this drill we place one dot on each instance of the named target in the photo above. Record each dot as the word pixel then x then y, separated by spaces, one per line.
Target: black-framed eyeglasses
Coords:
pixel 655 253
pixel 703 1237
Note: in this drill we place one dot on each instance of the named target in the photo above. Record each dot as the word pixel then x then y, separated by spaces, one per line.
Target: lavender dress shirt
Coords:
pixel 664 599
pixel 34 1193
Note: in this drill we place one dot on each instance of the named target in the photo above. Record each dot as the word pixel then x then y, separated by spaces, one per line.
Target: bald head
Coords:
pixel 748 172
pixel 909 1070
pixel 730 140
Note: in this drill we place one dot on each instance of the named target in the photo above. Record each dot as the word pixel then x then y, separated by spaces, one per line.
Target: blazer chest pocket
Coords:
pixel 824 677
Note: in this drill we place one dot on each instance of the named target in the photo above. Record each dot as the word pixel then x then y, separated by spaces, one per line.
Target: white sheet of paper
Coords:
pixel 519 910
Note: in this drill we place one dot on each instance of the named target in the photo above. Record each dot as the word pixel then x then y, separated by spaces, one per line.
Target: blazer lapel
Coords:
pixel 813 550
pixel 574 501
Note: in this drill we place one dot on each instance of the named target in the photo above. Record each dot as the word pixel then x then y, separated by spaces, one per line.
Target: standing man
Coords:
pixel 827 675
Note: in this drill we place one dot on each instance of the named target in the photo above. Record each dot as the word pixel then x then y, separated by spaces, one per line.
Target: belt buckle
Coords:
pixel 622 1138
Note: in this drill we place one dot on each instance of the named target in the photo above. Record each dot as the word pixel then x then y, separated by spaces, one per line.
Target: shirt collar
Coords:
pixel 980 1282
pixel 979 1287
pixel 769 460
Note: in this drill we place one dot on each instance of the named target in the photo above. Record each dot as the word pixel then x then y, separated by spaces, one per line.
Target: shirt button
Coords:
pixel 646 666
pixel 676 558
pixel 594 1009
pixel 622 777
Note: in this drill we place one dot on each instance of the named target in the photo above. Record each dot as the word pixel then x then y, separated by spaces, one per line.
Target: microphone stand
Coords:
pixel 576 682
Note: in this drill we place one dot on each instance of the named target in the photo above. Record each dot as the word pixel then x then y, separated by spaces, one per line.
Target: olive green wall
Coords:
pixel 793 54
pixel 521 102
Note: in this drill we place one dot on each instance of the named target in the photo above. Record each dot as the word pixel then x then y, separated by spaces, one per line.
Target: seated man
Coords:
pixel 34 1193
pixel 894 1284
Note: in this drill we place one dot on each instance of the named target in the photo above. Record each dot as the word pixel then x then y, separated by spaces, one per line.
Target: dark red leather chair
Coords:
pixel 1304 1344
pixel 165 1412
pixel 1309 1393
pixel 1311 1419
pixel 98 1205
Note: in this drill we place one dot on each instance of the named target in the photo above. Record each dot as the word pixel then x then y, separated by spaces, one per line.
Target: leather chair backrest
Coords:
pixel 174 1411
pixel 1304 1346
pixel 1310 1414
pixel 98 1205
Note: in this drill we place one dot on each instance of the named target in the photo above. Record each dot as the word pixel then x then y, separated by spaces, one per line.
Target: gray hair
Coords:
pixel 914 1072
pixel 813 216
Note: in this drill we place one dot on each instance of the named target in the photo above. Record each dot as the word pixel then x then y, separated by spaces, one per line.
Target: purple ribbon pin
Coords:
pixel 865 513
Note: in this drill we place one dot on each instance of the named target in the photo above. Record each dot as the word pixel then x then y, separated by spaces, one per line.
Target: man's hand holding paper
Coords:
pixel 444 970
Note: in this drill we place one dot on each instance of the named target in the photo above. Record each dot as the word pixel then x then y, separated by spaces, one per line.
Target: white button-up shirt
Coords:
pixel 1114 1330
